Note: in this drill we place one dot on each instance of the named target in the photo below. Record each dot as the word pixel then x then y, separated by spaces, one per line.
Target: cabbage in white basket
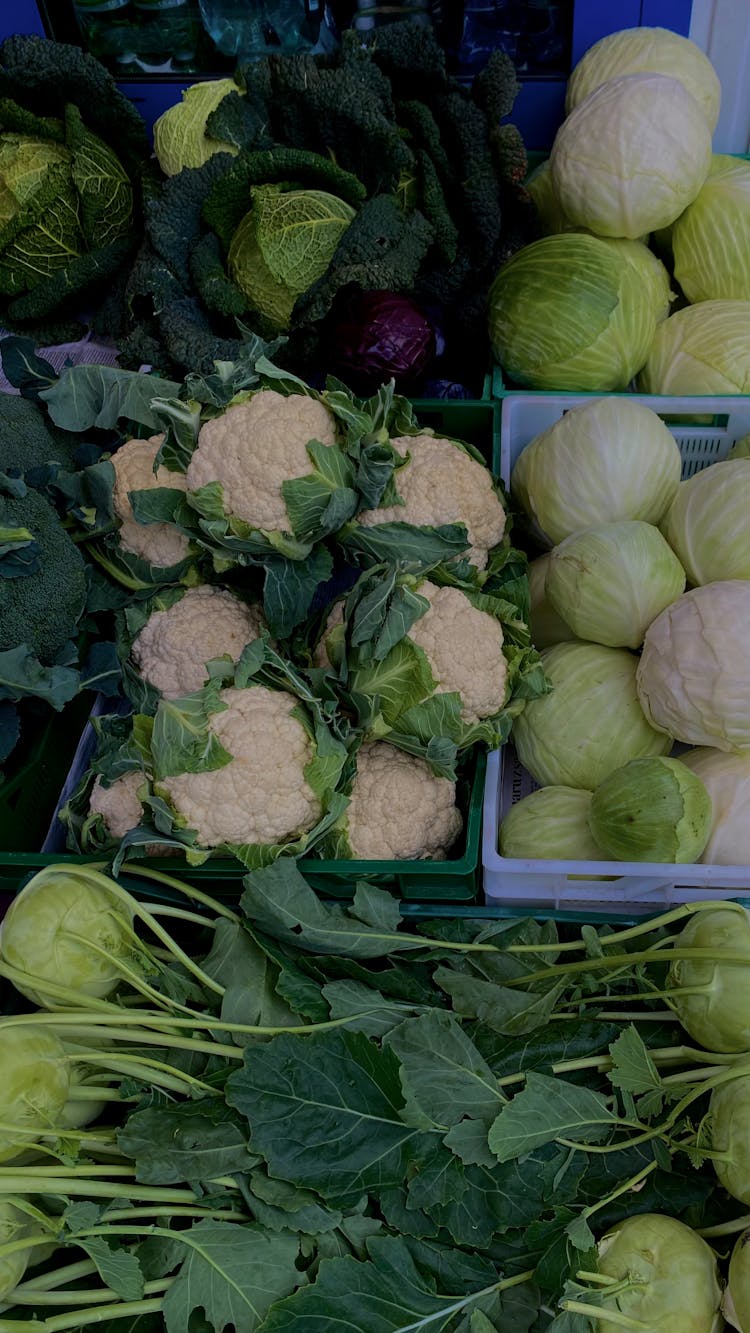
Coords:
pixel 703 349
pixel 647 51
pixel 652 809
pixel 577 312
pixel 590 724
pixel 547 627
pixel 711 240
pixel 609 582
pixel 632 156
pixel 694 672
pixel 726 778
pixel 708 523
pixel 607 460
pixel 551 823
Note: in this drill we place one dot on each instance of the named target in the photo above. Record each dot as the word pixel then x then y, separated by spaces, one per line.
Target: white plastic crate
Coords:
pixel 635 886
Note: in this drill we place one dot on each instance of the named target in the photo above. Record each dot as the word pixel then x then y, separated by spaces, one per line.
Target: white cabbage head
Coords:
pixel 726 778
pixel 647 51
pixel 711 240
pixel 694 672
pixel 607 460
pixel 632 156
pixel 577 312
pixel 702 349
pixel 546 626
pixel 707 523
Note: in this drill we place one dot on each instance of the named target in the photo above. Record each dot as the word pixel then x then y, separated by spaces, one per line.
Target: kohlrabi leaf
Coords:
pixel 233 1274
pixel 548 1109
pixel 443 1076
pixel 190 1141
pixel 102 396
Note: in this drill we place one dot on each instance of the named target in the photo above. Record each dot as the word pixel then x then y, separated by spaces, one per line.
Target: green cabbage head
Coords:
pixel 647 51
pixel 552 822
pixel 283 245
pixel 62 199
pixel 711 240
pixel 181 138
pixel 707 525
pixel 702 349
pixel 578 312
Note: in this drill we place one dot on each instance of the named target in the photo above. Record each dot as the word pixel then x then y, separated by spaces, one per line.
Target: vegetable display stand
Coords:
pixel 612 887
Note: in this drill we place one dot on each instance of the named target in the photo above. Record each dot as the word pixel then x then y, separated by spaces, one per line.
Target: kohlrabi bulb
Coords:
pixel 671 1275
pixel 737 1294
pixel 34 1087
pixel 652 809
pixel 729 1118
pixel 68 932
pixel 14 1226
pixel 711 995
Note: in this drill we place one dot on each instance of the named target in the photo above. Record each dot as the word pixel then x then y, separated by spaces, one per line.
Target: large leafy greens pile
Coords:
pixel 72 149
pixel 433 175
pixel 410 1128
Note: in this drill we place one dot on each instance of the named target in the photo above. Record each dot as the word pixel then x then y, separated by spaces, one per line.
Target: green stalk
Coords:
pixel 132 977
pixel 9 1172
pixel 625 1188
pixel 60 1018
pixel 593 1312
pixel 158 1071
pixel 623 936
pixel 188 891
pixel 193 918
pixel 80 1296
pixel 78 1319
pixel 23 980
pixel 94 1189
pixel 58 1278
pixel 624 960
pixel 725 1228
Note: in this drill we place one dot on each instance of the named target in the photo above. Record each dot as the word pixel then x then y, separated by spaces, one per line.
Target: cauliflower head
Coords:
pixel 172 649
pixel 254 447
pixel 158 543
pixel 262 795
pixel 118 805
pixel 398 809
pixel 464 647
pixel 443 484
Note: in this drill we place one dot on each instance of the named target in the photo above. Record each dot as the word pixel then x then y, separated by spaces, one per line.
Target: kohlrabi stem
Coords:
pixel 623 936
pixel 129 974
pixel 598 1278
pixel 147 1037
pixel 87 1092
pixel 80 1318
pixel 601 1063
pixel 644 995
pixel 223 1214
pixel 162 1035
pixel 176 1080
pixel 594 1312
pixel 99 1189
pixel 90 1171
pixel 725 1228
pixel 58 1278
pixel 188 891
pixel 625 1188
pixel 180 913
pixel 625 960
pixel 80 1296
pixel 43 987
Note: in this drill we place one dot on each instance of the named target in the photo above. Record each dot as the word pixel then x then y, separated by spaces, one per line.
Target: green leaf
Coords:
pixel 234 1274
pixel 580 1233
pixel 468 1140
pixel 118 1268
pixel 191 1141
pixel 290 586
pixel 324 501
pixel 386 1294
pixel 23 368
pixel 249 977
pixel 545 1110
pixel 633 1069
pixel 90 395
pixel 512 1012
pixel 413 550
pixel 376 907
pixel 10 729
pixel 369 1010
pixel 443 1076
pixel 20 554
pixel 326 1113
pixel 569 1040
pixel 23 676
pixel 182 740
pixel 474 1202
pixel 279 1206
pixel 396 684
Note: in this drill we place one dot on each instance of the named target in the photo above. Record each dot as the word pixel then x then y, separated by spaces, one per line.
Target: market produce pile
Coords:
pixel 636 663
pixel 631 201
pixel 321 1114
pixel 315 615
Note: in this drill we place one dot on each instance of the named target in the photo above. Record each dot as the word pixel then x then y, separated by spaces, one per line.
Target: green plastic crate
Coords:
pixel 28 795
pixel 475 420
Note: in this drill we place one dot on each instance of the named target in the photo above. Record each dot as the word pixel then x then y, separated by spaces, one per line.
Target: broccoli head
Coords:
pixel 27 442
pixel 41 609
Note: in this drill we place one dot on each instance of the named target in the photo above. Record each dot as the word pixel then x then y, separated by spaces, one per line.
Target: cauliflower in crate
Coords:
pixel 159 544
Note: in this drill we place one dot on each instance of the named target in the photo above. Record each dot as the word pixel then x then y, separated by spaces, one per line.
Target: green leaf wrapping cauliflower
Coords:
pixel 398 810
pixel 171 639
pixel 442 482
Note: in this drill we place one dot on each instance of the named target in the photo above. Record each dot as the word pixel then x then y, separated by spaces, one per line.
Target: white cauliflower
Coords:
pixel 254 447
pixel 398 809
pixel 443 484
pixel 261 796
pixel 172 649
pixel 118 805
pixel 464 648
pixel 158 543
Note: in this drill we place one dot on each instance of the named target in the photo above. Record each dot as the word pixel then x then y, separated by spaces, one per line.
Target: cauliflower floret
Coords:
pixel 118 805
pixel 173 647
pixel 254 447
pixel 158 543
pixel 261 795
pixel 442 484
pixel 464 648
pixel 399 809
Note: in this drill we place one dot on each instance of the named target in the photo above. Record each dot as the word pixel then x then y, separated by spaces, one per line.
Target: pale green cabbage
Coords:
pixel 726 778
pixel 703 349
pixel 577 312
pixel 551 823
pixel 631 156
pixel 708 523
pixel 711 240
pixel 180 135
pixel 694 671
pixel 546 626
pixel 283 245
pixel 737 1294
pixel 540 187
pixel 604 461
pixel 590 724
pixel 652 809
pixel 647 51
pixel 609 582
pixel 740 448
pixel 670 1276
